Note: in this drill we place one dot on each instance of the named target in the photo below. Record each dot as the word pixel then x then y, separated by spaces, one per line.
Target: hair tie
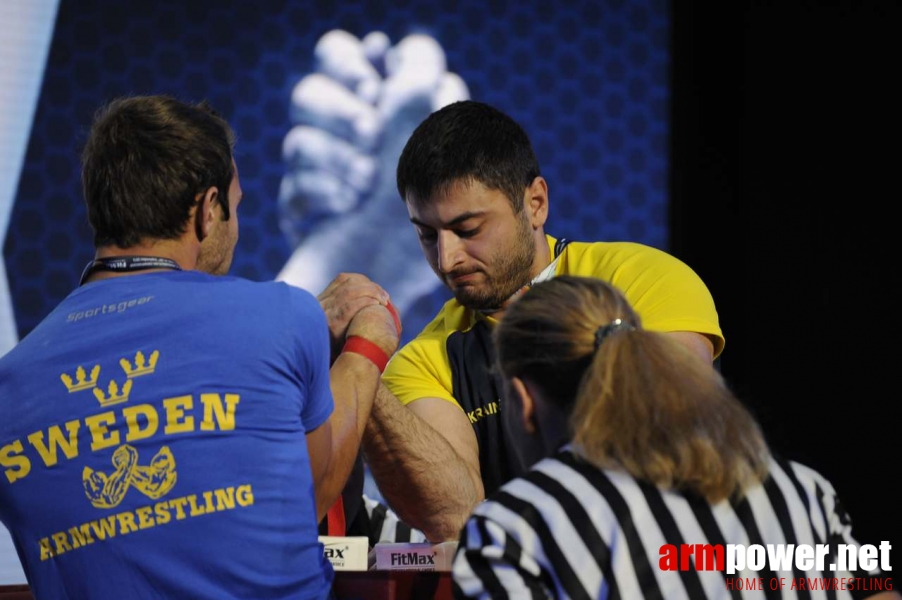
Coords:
pixel 612 327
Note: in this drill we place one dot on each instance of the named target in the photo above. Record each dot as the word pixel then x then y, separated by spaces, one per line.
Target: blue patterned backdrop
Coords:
pixel 588 80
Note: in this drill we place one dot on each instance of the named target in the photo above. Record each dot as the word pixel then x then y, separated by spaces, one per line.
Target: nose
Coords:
pixel 450 251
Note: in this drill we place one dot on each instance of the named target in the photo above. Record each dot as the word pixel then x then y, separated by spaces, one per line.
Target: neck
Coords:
pixel 555 428
pixel 543 258
pixel 174 250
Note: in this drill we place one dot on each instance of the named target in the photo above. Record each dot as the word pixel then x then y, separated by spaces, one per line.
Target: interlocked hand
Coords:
pixel 339 206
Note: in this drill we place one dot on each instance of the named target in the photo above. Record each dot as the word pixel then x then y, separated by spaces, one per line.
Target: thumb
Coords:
pixel 414 71
pixel 343 57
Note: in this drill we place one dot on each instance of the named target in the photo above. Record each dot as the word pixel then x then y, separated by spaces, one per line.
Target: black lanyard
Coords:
pixel 127 264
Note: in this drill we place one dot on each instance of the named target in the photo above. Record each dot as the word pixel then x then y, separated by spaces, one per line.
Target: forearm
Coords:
pixel 354 380
pixel 423 478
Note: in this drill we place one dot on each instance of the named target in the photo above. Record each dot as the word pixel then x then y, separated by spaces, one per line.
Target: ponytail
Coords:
pixel 650 407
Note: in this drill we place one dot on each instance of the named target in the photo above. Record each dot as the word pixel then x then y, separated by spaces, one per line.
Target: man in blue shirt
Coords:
pixel 169 431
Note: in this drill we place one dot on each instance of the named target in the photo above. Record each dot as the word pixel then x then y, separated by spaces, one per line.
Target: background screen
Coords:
pixel 588 81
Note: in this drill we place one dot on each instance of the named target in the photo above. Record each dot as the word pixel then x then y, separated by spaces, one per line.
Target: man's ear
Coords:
pixel 527 404
pixel 205 212
pixel 536 202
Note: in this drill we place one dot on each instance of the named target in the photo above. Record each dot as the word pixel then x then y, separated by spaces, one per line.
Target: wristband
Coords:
pixel 364 347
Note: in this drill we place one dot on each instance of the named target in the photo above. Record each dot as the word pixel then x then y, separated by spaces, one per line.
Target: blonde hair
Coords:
pixel 638 400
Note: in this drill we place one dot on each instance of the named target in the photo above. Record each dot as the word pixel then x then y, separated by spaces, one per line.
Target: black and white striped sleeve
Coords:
pixel 838 526
pixel 385 526
pixel 491 563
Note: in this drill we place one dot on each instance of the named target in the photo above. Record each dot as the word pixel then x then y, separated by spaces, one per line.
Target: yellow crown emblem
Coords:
pixel 81 381
pixel 115 397
pixel 141 367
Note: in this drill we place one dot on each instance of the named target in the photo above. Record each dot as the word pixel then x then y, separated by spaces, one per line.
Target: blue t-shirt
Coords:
pixel 152 440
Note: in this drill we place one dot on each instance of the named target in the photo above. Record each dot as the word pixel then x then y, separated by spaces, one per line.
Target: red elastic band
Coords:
pixel 364 347
pixel 335 518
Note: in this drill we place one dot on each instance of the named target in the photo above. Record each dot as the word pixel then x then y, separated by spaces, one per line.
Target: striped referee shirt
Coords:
pixel 570 530
pixel 385 526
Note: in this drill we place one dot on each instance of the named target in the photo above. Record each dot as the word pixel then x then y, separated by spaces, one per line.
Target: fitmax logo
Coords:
pixel 336 553
pixel 412 558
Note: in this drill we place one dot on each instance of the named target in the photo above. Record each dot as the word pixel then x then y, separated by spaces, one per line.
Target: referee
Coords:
pixel 651 455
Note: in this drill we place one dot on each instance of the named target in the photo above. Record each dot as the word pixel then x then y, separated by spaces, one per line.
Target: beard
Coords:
pixel 216 254
pixel 512 269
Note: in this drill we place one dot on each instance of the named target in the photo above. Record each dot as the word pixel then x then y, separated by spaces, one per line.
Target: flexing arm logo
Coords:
pixel 154 481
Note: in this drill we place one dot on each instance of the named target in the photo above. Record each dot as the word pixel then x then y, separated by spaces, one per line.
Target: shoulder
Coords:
pixel 810 479
pixel 280 313
pixel 426 354
pixel 269 295
pixel 551 492
pixel 666 293
pixel 421 368
pixel 535 492
pixel 451 318
pixel 598 258
pixel 272 289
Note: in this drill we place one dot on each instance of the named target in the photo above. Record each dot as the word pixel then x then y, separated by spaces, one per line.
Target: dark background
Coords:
pixel 784 173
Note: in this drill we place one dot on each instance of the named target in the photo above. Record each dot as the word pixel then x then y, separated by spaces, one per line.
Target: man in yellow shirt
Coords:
pixel 435 440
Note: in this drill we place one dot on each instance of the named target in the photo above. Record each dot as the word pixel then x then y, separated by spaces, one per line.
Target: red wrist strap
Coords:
pixel 335 518
pixel 364 347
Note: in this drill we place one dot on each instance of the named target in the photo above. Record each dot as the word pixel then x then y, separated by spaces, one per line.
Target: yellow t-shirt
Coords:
pixel 451 358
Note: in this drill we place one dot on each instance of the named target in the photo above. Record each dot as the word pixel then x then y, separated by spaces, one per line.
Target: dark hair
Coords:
pixel 637 400
pixel 146 160
pixel 463 142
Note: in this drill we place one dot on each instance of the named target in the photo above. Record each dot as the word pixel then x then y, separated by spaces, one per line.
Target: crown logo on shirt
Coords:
pixel 141 367
pixel 81 380
pixel 115 395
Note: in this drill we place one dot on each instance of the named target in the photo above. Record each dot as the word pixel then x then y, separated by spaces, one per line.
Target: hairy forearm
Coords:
pixel 418 471
pixel 354 381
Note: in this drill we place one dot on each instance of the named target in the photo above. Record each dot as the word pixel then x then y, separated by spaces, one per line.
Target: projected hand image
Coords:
pixel 338 204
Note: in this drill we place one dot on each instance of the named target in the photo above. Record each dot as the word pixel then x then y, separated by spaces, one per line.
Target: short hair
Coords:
pixel 146 160
pixel 467 141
